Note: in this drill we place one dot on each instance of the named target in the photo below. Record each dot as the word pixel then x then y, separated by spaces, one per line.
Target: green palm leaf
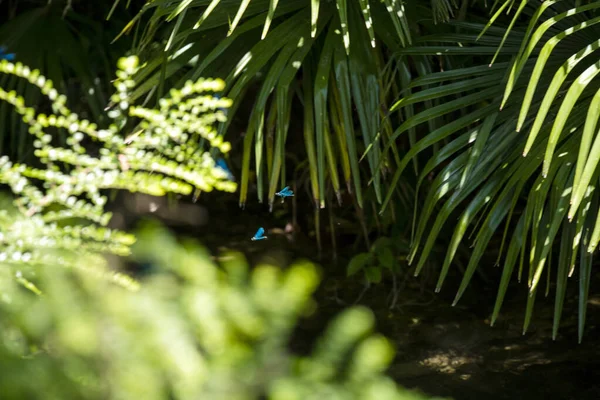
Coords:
pixel 486 176
pixel 290 25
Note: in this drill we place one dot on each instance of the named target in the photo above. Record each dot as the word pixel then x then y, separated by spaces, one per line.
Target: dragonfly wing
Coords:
pixel 223 165
pixel 285 192
pixel 259 234
pixel 219 96
pixel 6 56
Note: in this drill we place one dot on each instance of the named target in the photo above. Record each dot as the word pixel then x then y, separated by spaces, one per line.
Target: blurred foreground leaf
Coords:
pixel 195 330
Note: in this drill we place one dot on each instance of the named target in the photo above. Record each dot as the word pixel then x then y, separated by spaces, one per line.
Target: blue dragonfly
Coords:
pixel 285 192
pixel 218 96
pixel 6 56
pixel 259 235
pixel 223 165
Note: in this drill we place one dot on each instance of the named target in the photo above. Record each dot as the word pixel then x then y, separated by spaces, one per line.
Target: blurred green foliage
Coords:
pixel 61 198
pixel 195 330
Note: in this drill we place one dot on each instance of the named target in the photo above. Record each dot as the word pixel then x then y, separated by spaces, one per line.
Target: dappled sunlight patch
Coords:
pixel 523 362
pixel 448 362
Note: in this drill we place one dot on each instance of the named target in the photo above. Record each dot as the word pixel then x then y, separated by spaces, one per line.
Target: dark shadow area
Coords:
pixel 441 350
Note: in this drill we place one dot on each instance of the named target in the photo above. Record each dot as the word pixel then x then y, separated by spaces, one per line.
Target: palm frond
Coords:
pixel 278 41
pixel 535 145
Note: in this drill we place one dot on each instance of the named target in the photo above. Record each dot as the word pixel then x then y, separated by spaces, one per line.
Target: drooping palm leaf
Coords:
pixel 549 113
pixel 279 39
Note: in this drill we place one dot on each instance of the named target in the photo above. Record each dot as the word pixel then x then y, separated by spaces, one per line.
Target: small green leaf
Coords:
pixel 357 263
pixel 373 274
pixel 380 243
pixel 385 257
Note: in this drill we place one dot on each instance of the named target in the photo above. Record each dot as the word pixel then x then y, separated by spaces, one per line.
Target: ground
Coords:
pixel 453 351
pixel 441 350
